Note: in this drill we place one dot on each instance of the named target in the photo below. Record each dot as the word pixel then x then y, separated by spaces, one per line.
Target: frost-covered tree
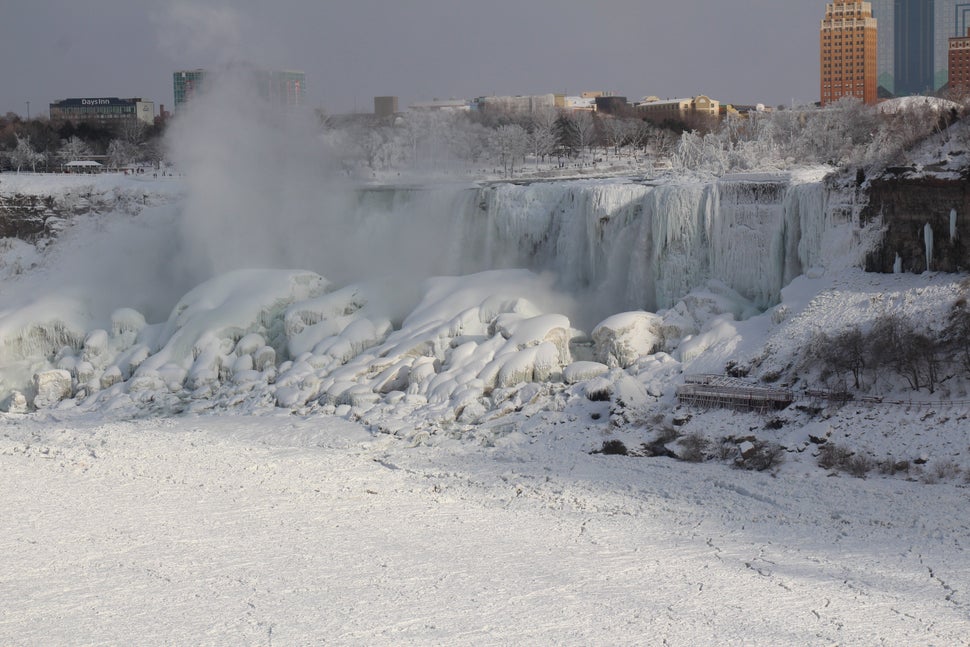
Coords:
pixel 24 155
pixel 508 143
pixel 542 134
pixel 616 132
pixel 74 149
pixel 121 153
pixel 582 127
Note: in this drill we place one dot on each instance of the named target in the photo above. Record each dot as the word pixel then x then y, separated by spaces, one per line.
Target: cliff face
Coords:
pixel 24 216
pixel 916 211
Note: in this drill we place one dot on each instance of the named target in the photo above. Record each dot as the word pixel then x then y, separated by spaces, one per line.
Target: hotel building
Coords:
pixel 849 39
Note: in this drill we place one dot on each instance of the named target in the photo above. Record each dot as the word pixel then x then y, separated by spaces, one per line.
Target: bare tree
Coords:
pixel 580 127
pixel 615 131
pixel 507 143
pixel 542 134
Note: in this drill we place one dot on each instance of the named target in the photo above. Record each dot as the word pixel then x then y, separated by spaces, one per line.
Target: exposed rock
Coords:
pixel 906 206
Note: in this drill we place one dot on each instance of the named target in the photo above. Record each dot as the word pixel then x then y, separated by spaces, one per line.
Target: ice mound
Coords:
pixel 622 339
pixel 466 349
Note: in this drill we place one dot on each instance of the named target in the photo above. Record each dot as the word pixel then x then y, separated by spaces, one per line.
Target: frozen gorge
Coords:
pixel 549 284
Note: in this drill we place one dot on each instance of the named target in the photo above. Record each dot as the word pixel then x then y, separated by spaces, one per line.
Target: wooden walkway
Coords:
pixel 723 392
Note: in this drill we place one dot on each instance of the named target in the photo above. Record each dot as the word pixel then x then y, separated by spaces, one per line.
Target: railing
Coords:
pixel 722 391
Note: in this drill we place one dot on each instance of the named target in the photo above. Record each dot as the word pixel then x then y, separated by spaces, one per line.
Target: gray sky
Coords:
pixel 738 51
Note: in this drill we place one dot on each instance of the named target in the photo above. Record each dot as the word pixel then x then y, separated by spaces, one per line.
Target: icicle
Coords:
pixel 928 239
pixel 953 224
pixel 898 265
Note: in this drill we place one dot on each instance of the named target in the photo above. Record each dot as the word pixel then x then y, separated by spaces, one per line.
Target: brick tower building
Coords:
pixel 849 43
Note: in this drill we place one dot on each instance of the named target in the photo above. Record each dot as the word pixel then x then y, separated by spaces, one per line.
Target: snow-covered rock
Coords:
pixel 51 387
pixel 622 339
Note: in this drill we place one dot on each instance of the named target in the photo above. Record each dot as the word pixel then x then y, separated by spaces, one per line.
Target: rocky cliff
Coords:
pixel 926 220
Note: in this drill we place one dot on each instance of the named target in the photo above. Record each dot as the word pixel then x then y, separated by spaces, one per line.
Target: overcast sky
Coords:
pixel 737 51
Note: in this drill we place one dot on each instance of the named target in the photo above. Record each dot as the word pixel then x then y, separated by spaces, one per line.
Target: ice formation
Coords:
pixel 928 241
pixel 558 287
pixel 626 245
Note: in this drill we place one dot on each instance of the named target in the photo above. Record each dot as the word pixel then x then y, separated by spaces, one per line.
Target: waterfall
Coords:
pixel 623 244
pixel 953 225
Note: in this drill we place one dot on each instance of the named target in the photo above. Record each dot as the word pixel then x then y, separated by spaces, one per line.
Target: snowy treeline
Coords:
pixel 858 357
pixel 846 133
pixel 469 142
pixel 42 145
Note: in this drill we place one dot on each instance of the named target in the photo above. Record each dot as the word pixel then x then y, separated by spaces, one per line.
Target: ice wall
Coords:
pixel 618 244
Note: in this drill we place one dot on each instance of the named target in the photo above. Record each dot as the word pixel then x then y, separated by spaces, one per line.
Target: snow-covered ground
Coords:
pixel 196 451
pixel 290 530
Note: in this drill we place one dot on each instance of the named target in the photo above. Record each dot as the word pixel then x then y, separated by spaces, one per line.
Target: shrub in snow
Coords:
pixel 759 456
pixel 694 448
pixel 612 447
pixel 891 467
pixel 838 457
pixel 943 470
pixel 51 387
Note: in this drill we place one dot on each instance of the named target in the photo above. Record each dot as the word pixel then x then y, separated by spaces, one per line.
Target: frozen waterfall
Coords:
pixel 621 243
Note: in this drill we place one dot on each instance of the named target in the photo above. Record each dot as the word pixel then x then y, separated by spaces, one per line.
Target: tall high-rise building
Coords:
pixel 848 40
pixel 185 84
pixel 914 43
pixel 279 87
pixel 959 64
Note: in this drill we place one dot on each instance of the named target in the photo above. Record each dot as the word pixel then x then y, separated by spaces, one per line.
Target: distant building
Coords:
pixel 659 111
pixel 107 112
pixel 186 84
pixel 913 50
pixel 385 106
pixel 958 63
pixel 612 105
pixel 438 105
pixel 848 43
pixel 579 103
pixel 284 88
pixel 522 104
